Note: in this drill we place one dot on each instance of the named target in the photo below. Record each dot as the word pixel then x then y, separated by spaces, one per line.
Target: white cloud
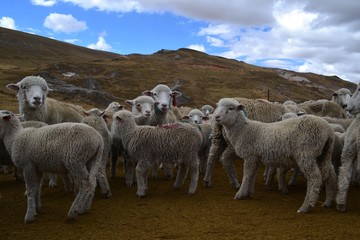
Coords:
pixel 197 47
pixel 101 44
pixel 7 22
pixel 73 41
pixel 65 23
pixel 44 3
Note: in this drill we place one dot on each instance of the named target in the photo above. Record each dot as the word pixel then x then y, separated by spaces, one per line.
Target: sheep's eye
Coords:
pixel 23 87
pixel 231 108
pixel 138 105
pixel 154 94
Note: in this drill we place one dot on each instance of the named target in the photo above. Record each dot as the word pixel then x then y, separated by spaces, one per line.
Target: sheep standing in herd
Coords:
pixel 351 151
pixel 307 141
pixel 148 144
pixel 72 148
pixel 34 105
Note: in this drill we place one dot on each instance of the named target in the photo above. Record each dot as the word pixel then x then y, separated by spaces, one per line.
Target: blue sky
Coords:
pixel 299 35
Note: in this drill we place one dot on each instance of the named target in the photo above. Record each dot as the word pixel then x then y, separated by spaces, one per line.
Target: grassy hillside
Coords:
pixel 95 78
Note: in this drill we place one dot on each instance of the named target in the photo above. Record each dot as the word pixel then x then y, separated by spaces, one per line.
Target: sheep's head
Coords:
pixel 162 95
pixel 114 107
pixel 227 111
pixel 195 116
pixel 207 110
pixel 121 118
pixel 341 97
pixel 32 89
pixel 142 105
pixel 7 118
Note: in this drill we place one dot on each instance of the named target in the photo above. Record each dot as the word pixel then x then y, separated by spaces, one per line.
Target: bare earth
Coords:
pixel 167 213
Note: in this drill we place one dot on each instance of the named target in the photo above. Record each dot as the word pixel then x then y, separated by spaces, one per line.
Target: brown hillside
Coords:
pixel 101 77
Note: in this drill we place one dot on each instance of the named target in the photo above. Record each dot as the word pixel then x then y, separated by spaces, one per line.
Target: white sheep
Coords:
pixel 95 119
pixel 143 108
pixel 114 107
pixel 351 151
pixel 34 105
pixel 341 97
pixel 196 116
pixel 73 148
pixel 221 149
pixel 207 110
pixel 307 141
pixel 172 143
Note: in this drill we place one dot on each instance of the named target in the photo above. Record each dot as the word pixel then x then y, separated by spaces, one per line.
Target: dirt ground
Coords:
pixel 167 213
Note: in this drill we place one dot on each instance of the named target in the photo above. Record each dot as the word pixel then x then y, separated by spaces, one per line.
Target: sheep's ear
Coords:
pixel 300 113
pixel 121 107
pixel 146 93
pixel 240 107
pixel 87 113
pixel 50 90
pixel 205 118
pixel 334 94
pixel 7 117
pixel 186 117
pixel 118 118
pixel 13 86
pixel 130 102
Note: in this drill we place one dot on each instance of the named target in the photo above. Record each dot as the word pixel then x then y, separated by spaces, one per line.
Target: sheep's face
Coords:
pixel 162 95
pixel 114 107
pixel 143 106
pixel 196 116
pixel 35 95
pixel 207 110
pixel 227 112
pixel 353 105
pixel 341 98
pixel 6 118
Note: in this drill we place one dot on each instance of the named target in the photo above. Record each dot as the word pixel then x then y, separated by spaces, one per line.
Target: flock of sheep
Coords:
pixel 319 139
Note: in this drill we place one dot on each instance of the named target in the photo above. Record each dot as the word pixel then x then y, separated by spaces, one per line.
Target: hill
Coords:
pixel 95 78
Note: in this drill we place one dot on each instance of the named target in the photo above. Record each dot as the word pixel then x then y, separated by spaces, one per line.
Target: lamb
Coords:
pixel 95 119
pixel 221 148
pixel 143 108
pixel 196 116
pixel 350 153
pixel 114 107
pixel 148 144
pixel 207 109
pixel 307 140
pixel 73 148
pixel 34 105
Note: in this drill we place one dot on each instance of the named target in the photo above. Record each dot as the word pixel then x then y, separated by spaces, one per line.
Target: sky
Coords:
pixel 319 36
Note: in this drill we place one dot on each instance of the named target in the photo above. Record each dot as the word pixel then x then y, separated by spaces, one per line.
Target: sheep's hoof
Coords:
pixel 304 209
pixel 29 219
pixel 240 197
pixel 207 184
pixel 140 195
pixel 72 215
pixel 341 207
pixel 327 204
pixel 107 194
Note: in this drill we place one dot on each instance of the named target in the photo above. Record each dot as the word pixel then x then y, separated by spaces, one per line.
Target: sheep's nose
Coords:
pixel 37 98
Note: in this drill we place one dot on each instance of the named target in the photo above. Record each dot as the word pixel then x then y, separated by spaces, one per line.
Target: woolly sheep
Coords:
pixel 143 108
pixel 34 105
pixel 147 144
pixel 207 109
pixel 73 148
pixel 323 108
pixel 350 153
pixel 341 97
pixel 95 119
pixel 307 140
pixel 196 116
pixel 221 148
pixel 114 107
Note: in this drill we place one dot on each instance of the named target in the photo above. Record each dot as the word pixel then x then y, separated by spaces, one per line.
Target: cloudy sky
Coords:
pixel 320 36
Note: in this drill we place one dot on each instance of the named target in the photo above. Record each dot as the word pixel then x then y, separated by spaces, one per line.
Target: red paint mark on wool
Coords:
pixel 170 125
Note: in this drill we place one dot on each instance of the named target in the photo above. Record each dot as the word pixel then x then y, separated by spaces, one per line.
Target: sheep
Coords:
pixel 34 105
pixel 350 153
pixel 221 148
pixel 95 119
pixel 344 122
pixel 196 117
pixel 114 107
pixel 207 109
pixel 143 108
pixel 323 108
pixel 73 148
pixel 341 97
pixel 147 144
pixel 307 140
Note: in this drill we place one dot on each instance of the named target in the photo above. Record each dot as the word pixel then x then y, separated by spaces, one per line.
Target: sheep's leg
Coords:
pixel 33 184
pixel 81 178
pixel 248 181
pixel 329 176
pixel 218 146
pixel 194 174
pixel 281 171
pixel 129 170
pixel 181 174
pixel 68 183
pixel 227 160
pixel 39 177
pixel 103 182
pixel 53 180
pixel 269 174
pixel 141 171
pixel 293 180
pixel 348 157
pixel 114 157
pixel 168 170
pixel 314 181
pixel 155 167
